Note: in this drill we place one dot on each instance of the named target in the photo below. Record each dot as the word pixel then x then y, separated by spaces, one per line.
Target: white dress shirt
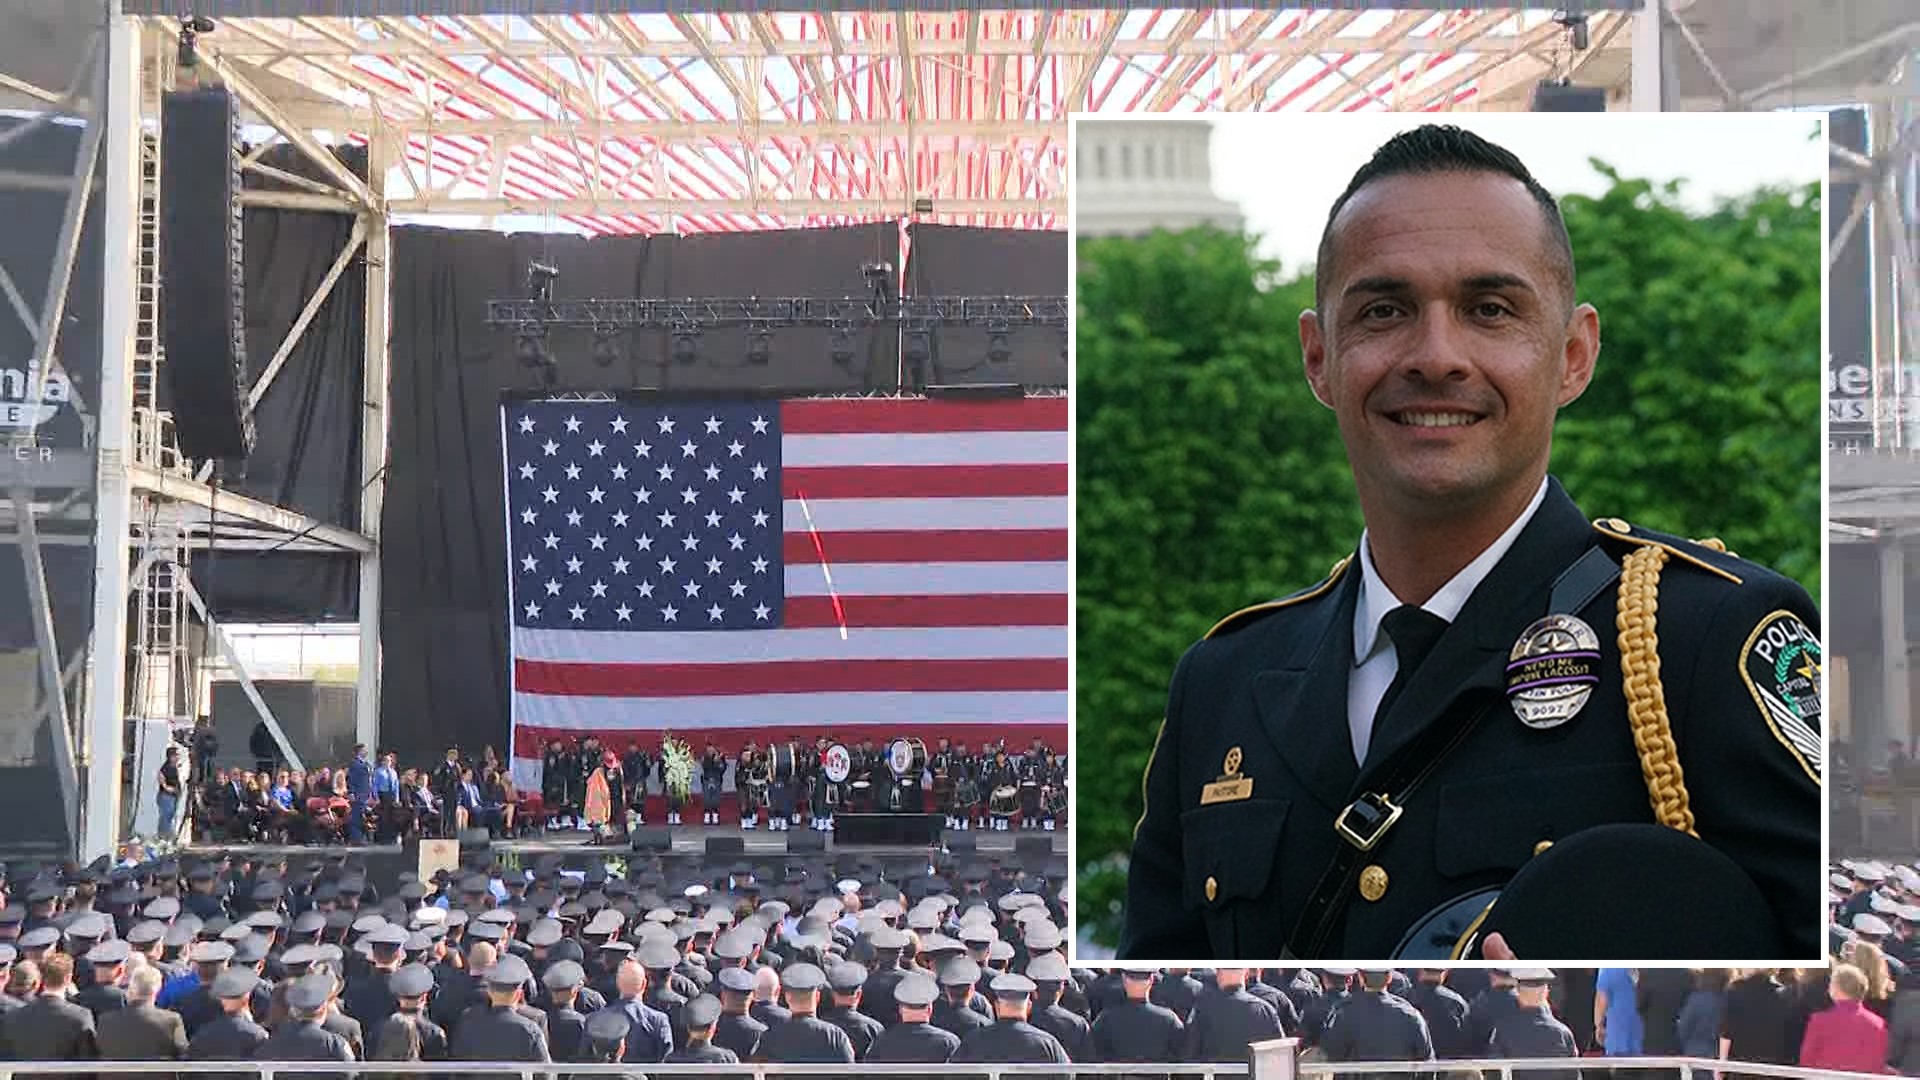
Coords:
pixel 1374 660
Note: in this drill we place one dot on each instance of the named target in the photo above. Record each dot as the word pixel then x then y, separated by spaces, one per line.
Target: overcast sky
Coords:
pixel 1285 169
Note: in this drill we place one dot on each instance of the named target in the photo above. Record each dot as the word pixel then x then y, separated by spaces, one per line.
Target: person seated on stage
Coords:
pixel 472 810
pixel 424 805
pixel 498 791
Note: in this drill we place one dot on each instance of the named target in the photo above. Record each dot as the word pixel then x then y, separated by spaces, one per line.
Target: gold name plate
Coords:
pixel 1228 790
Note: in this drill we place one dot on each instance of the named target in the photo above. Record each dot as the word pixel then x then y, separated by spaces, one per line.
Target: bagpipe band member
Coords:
pixel 713 778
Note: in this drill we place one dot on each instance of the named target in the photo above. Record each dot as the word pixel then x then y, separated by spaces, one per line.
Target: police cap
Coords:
pixel 915 991
pixel 736 980
pixel 1011 986
pixel 959 971
pixel 606 1028
pixel 1048 967
pixel 309 992
pixel 509 971
pixel 846 978
pixel 235 983
pixel 564 975
pixel 659 957
pixel 412 980
pixel 802 978
pixel 108 953
pixel 544 934
pixel 702 1012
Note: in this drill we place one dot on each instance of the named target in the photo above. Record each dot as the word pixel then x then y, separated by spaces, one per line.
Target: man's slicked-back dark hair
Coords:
pixel 1444 148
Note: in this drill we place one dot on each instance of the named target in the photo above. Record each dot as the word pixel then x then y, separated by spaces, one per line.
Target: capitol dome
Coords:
pixel 1135 175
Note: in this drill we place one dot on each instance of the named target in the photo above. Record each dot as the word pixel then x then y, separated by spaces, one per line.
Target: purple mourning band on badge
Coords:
pixel 1514 688
pixel 1586 654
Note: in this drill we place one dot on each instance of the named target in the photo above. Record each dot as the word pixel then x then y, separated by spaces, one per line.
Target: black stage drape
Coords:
pixel 955 260
pixel 443 599
pixel 307 454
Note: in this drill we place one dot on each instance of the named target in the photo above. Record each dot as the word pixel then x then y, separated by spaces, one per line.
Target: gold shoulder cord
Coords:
pixel 1646 699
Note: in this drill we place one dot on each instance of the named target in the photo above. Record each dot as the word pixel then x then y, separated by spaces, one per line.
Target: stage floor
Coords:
pixel 687 840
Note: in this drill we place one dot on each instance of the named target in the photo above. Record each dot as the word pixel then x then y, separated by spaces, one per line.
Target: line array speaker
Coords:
pixel 202 309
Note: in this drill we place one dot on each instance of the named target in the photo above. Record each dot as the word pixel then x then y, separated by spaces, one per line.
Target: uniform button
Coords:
pixel 1619 526
pixel 1213 889
pixel 1542 846
pixel 1373 882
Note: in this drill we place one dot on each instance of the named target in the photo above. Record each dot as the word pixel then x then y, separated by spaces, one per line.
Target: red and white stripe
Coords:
pixel 938 538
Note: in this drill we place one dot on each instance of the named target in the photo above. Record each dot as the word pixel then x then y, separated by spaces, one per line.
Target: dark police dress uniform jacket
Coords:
pixel 1377 1026
pixel 1011 1042
pixel 739 1033
pixel 959 1019
pixel 1224 1022
pixel 1139 1031
pixel 1069 1029
pixel 1534 1033
pixel 499 1034
pixel 806 1040
pixel 230 1038
pixel 702 1053
pixel 914 1043
pixel 303 1040
pixel 862 1030
pixel 140 1033
pixel 567 1035
pixel 1266 693
pixel 1446 1015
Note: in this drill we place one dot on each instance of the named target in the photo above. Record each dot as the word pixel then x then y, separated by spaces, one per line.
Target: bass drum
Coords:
pixel 1005 801
pixel 784 755
pixel 838 763
pixel 907 758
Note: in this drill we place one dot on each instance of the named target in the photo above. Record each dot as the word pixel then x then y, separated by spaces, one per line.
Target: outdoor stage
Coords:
pixel 756 844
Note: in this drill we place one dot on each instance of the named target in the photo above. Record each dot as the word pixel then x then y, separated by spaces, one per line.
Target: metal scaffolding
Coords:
pixel 628 119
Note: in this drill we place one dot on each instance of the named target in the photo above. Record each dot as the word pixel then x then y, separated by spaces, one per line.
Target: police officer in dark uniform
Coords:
pixel 607 1032
pixel 1491 1006
pixel 368 998
pixel 1374 1025
pixel 410 987
pixel 659 959
pixel 1177 990
pixel 1010 1039
pixel 737 1030
pixel 1050 974
pixel 566 1026
pixel 103 994
pixel 1556 749
pixel 805 1039
pixel 954 1011
pixel 1531 1031
pixel 1135 1029
pixel 702 1017
pixel 1226 1018
pixel 846 980
pixel 501 1033
pixel 1444 1011
pixel 876 995
pixel 302 1038
pixel 713 776
pixel 233 1036
pixel 914 1038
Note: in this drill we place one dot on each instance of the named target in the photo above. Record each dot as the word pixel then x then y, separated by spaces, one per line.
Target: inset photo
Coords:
pixel 1448 534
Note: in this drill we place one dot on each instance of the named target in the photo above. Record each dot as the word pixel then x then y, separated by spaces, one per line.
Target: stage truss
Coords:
pixel 625 118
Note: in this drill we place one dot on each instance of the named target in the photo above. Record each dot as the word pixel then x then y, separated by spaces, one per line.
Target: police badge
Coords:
pixel 1552 671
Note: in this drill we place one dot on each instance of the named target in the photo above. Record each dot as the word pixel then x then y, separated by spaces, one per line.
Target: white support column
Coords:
pixel 1896 706
pixel 106 664
pixel 375 385
pixel 1273 1059
pixel 1649 73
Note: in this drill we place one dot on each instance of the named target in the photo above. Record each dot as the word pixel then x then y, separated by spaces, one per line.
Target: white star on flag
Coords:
pixel 573 425
pixel 620 566
pixel 734 448
pixel 619 425
pixel 573 471
pixel 714 613
pixel 526 424
pixel 759 425
pixel 526 470
pixel 595 447
pixel 713 425
pixel 687 449
pixel 530 564
pixel 669 613
pixel 666 425
pixel 623 612
pixel 533 610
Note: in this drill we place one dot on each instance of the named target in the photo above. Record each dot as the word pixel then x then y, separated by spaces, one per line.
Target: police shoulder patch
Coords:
pixel 1780 664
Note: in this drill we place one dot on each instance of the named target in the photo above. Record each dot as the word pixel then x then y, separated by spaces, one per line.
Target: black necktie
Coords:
pixel 1414 631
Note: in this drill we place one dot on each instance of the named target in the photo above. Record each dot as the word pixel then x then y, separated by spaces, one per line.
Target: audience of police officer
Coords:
pixel 250 958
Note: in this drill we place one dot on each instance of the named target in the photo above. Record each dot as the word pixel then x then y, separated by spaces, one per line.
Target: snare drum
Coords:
pixel 1005 801
pixel 784 756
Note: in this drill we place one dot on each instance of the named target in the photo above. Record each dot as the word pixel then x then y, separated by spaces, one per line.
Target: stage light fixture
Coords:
pixel 606 347
pixel 187 53
pixel 686 348
pixel 998 350
pixel 760 348
pixel 530 347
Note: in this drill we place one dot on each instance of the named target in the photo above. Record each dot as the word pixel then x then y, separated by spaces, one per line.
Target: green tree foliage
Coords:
pixel 1209 478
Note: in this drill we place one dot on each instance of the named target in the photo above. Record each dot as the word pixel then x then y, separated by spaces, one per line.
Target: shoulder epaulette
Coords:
pixel 1247 614
pixel 1710 554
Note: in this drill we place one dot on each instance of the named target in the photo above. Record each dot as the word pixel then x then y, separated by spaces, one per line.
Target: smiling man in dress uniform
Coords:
pixel 1498 728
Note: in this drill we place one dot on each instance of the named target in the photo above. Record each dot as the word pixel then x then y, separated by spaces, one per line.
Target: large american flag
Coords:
pixel 729 570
